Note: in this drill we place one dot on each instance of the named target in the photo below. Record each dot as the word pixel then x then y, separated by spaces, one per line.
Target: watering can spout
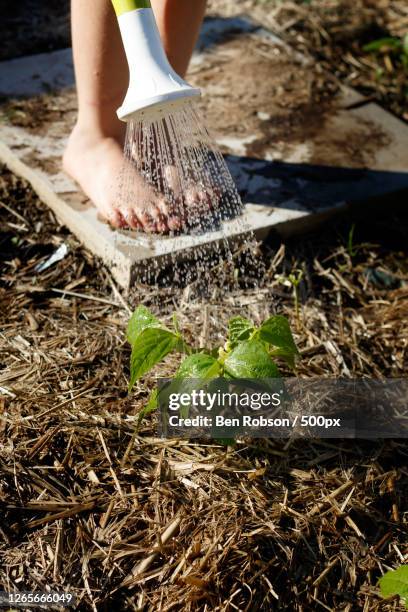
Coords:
pixel 154 87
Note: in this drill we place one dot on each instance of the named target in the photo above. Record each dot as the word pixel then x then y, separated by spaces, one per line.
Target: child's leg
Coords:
pixel 179 23
pixel 94 155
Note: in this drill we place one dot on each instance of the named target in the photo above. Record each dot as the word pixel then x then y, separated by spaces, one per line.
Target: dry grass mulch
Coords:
pixel 126 521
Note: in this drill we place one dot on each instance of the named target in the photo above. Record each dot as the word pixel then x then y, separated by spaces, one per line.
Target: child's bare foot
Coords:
pixel 96 162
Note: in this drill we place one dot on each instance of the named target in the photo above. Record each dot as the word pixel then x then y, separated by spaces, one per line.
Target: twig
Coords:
pixel 330 497
pixel 144 565
pixel 13 212
pixel 83 296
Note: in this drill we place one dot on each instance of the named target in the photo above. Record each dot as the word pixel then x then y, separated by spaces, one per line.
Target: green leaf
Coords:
pixel 250 359
pixel 239 329
pixel 226 441
pixel 383 43
pixel 199 365
pixel 289 358
pixel 395 582
pixel 195 370
pixel 140 320
pixel 151 347
pixel 151 406
pixel 276 332
pixel 405 44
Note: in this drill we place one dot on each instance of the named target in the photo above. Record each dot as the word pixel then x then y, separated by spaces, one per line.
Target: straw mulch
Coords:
pixel 126 521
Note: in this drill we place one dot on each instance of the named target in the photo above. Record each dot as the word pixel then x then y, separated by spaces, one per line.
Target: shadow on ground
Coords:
pixel 308 187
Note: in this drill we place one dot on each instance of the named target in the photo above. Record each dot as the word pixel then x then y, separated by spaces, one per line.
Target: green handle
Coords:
pixel 125 6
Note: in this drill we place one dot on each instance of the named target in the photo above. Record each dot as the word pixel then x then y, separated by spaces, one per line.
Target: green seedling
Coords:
pixel 351 246
pixel 350 242
pixel 249 352
pixel 379 73
pixel 392 46
pixel 293 280
pixel 395 582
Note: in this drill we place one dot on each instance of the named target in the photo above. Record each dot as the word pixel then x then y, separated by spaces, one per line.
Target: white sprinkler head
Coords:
pixel 155 89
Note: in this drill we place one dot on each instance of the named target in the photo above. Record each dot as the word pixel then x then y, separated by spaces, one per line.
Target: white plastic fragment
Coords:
pixel 57 256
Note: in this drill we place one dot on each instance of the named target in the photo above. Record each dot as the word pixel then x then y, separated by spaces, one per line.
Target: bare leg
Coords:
pixel 179 23
pixel 94 155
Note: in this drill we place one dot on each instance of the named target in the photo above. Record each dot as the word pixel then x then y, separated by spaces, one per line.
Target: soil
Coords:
pixel 280 99
pixel 37 112
pixel 83 496
pixel 29 27
pixel 293 525
pixel 333 35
